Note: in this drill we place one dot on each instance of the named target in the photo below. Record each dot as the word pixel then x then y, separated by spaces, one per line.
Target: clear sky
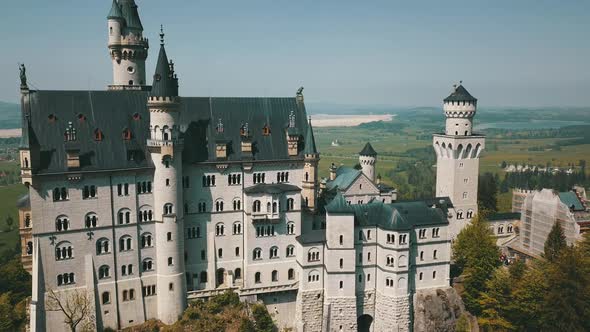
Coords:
pixel 400 53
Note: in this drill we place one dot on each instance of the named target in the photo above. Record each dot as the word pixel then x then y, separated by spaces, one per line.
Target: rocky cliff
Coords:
pixel 439 309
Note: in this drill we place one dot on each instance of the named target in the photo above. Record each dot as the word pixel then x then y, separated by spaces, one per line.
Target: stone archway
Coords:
pixel 364 323
pixel 220 277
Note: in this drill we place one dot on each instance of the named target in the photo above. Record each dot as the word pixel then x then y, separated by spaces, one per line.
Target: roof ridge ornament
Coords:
pixel 23 75
pixel 162 34
pixel 220 127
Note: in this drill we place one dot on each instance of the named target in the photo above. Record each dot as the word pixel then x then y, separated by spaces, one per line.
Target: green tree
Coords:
pixel 262 318
pixel 517 270
pixel 566 305
pixel 6 313
pixel 494 302
pixel 487 194
pixel 462 324
pixel 9 222
pixel 527 299
pixel 246 325
pixel 555 243
pixel 476 254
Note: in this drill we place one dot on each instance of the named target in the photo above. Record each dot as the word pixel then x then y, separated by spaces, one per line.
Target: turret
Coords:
pixel 127 47
pixel 367 160
pixel 459 108
pixel 165 147
pixel 311 158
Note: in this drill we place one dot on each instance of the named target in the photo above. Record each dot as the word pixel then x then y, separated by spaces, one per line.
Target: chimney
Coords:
pixel 333 169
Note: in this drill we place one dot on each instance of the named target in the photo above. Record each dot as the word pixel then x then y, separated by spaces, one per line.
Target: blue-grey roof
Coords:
pixel 129 12
pixel 271 188
pixel 368 150
pixel 309 142
pixel 165 81
pixel 113 111
pixel 338 205
pixel 345 176
pixel 572 201
pixel 115 12
pixel 460 94
pixel 395 216
pixel 311 237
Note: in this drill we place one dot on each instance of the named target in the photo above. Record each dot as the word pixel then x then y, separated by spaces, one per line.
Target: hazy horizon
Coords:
pixel 526 54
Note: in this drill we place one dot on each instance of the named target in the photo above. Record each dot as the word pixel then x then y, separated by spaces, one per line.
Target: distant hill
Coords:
pixel 9 115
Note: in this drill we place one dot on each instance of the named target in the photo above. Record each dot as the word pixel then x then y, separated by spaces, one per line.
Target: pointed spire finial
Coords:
pixel 162 34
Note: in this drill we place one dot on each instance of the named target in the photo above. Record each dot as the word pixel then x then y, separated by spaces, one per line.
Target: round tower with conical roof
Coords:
pixel 367 160
pixel 165 147
pixel 127 46
pixel 457 151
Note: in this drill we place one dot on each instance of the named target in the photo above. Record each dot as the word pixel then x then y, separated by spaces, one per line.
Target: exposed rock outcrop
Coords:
pixel 438 310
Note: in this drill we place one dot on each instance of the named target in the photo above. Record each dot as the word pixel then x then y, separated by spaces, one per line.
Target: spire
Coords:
pixel 460 94
pixel 368 150
pixel 162 34
pixel 115 12
pixel 310 147
pixel 165 80
pixel 130 14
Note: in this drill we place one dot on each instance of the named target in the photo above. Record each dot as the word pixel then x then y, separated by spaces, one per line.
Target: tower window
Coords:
pixel 130 70
pixel 127 134
pixel 130 82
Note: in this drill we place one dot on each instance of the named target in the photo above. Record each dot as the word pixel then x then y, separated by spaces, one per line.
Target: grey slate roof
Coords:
pixel 316 236
pixel 368 150
pixel 460 94
pixel 129 11
pixel 115 11
pixel 338 205
pixel 272 188
pixel 113 111
pixel 309 142
pixel 570 199
pixel 165 82
pixel 345 176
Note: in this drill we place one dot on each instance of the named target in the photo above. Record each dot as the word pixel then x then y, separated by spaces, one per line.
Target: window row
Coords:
pixel 273 207
pixel 274 276
pixel 144 187
pixel 208 180
pixel 469 214
pixel 435 233
pixel 66 279
pixel 282 177
pixel 434 255
pixel 273 252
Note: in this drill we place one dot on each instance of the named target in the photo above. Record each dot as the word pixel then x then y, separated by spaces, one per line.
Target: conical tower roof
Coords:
pixel 165 81
pixel 115 12
pixel 310 147
pixel 129 11
pixel 368 150
pixel 460 94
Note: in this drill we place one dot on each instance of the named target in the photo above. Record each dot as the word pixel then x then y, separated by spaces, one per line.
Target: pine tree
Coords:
pixel 476 254
pixel 527 298
pixel 555 243
pixel 494 302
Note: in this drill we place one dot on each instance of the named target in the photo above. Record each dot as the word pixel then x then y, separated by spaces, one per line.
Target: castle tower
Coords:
pixel 457 152
pixel 127 47
pixel 165 148
pixel 312 158
pixel 368 159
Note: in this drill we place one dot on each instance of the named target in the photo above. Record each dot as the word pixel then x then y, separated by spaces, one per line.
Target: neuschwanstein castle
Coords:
pixel 148 200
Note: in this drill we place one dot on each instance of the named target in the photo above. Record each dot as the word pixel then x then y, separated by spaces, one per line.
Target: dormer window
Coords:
pixel 136 116
pixel 97 135
pixel 244 131
pixel 127 134
pixel 81 117
pixel 219 127
pixel 51 118
pixel 70 133
pixel 266 130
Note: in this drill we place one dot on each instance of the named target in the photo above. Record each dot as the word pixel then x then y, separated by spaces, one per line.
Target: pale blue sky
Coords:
pixel 400 53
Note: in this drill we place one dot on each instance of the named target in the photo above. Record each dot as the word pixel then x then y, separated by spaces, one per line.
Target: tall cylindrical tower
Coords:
pixel 457 157
pixel 127 47
pixel 367 160
pixel 165 148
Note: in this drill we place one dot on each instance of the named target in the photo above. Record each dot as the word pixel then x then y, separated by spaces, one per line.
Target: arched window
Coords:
pixel 388 282
pixel 104 272
pixel 237 228
pixel 29 248
pixel 168 208
pixel 106 298
pixel 368 234
pixel 275 275
pixel 238 274
pixel 313 255
pixel 256 206
pixel 433 274
pixel 124 216
pixel 91 220
pixel 257 254
pixel 27 220
pixel 237 204
pixel 62 223
pixel 274 252
pixel 64 250
pixel 421 255
pixel 291 274
pixel 257 277
pixel 420 275
pixel 390 260
pixel 341 240
pixel 341 262
pixel 290 228
pixel 290 251
pixel 145 213
pixel 402 283
pixel 460 214
pixel 147 265
pixel 125 243
pixel 146 240
pixel 434 254
pixel 268 207
pixel 219 229
pixel 313 276
pixel 469 214
pixel 102 246
pixel 290 204
pixel 402 261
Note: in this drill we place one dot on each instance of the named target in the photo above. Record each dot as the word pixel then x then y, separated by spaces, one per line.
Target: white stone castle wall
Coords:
pixel 392 313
